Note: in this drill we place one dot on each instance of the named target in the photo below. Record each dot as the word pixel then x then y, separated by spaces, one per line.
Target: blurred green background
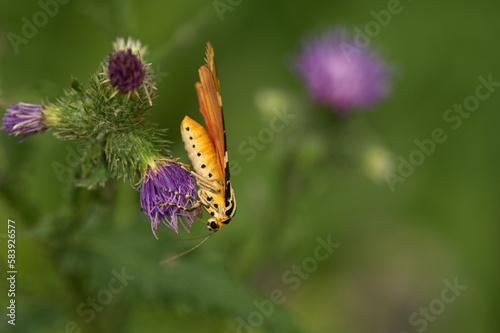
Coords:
pixel 321 177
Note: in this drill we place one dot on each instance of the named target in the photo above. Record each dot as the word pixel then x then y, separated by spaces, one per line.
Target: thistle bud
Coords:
pixel 24 119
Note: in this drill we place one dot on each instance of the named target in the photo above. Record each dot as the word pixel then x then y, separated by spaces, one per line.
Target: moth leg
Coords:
pixel 186 209
pixel 202 181
pixel 205 183
pixel 187 196
pixel 172 159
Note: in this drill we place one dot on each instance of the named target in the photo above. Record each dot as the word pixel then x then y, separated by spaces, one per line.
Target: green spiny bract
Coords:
pixel 114 135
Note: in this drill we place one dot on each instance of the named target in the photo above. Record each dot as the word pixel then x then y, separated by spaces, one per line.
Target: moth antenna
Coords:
pixel 186 252
pixel 196 217
pixel 184 239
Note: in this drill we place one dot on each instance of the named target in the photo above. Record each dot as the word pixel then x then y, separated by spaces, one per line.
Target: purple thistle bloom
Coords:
pixel 24 119
pixel 341 74
pixel 158 200
pixel 127 73
pixel 125 70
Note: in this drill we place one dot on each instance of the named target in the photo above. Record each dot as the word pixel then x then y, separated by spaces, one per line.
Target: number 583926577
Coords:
pixel 11 252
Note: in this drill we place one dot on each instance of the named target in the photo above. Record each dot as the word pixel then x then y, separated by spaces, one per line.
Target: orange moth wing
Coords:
pixel 209 98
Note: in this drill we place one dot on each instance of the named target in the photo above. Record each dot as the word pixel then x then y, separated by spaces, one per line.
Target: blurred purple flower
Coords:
pixel 342 75
pixel 158 200
pixel 127 73
pixel 24 119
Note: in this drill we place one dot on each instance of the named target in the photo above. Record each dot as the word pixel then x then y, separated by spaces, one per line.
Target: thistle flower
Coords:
pixel 167 192
pixel 126 72
pixel 134 45
pixel 342 75
pixel 24 119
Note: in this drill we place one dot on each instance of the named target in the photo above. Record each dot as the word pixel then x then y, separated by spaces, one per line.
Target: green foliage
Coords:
pixel 308 181
pixel 111 128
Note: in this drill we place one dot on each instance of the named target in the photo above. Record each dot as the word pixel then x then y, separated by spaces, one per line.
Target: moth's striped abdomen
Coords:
pixel 200 150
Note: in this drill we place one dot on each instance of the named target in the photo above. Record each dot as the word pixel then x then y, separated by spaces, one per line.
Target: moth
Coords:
pixel 207 151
